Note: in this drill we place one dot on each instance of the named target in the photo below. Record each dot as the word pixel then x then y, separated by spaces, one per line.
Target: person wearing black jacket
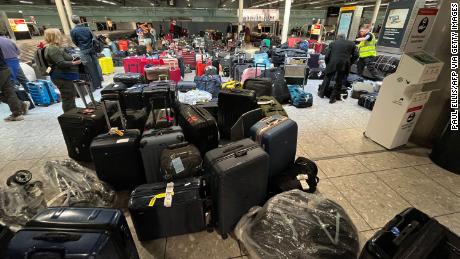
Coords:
pixel 339 56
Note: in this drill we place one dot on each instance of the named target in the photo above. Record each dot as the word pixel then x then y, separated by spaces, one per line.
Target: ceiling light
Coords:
pixel 26 2
pixel 352 3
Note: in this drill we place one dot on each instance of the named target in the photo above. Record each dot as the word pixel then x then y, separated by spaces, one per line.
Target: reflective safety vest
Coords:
pixel 367 48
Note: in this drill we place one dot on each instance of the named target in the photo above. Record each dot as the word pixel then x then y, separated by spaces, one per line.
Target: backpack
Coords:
pixel 39 62
pixel 299 98
pixel 303 45
pixel 98 44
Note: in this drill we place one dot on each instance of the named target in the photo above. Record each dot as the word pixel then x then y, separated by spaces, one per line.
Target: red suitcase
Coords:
pixel 132 64
pixel 174 74
pixel 292 42
pixel 319 47
pixel 189 58
pixel 200 68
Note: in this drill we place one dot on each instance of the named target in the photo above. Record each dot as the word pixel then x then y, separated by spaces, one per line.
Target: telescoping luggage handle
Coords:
pixel 112 97
pixel 79 84
pixel 261 65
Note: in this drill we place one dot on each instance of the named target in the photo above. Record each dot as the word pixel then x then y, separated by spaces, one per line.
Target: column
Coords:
pixel 63 16
pixel 240 17
pixel 287 14
pixel 68 9
pixel 376 12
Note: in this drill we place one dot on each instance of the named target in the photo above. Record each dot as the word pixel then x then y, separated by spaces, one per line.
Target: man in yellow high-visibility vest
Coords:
pixel 367 50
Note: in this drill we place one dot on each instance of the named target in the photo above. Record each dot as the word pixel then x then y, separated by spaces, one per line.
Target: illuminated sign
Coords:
pixel 18 25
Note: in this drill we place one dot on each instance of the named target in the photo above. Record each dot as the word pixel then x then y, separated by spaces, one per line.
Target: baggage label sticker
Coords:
pixel 122 140
pixel 178 165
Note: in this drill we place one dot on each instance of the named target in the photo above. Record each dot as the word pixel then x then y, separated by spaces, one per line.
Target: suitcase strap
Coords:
pixel 270 124
pixel 167 196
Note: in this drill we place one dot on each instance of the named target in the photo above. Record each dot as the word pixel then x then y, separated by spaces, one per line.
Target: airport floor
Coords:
pixel 371 183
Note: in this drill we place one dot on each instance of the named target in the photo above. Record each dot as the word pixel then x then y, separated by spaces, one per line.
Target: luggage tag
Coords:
pixel 169 193
pixel 178 165
pixel 116 131
pixel 303 181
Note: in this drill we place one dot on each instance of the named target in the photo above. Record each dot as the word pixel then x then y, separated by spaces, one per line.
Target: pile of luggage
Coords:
pixel 366 92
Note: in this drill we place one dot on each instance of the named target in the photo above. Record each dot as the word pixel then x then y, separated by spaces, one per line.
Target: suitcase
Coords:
pixel 200 67
pixel 313 61
pixel 156 73
pixel 116 87
pixel 133 98
pixel 280 90
pixel 5 236
pixel 238 175
pixel 355 94
pixel 175 74
pixel 135 119
pixel 412 234
pixel 292 42
pixel 261 86
pixel 302 175
pixel 123 45
pixel 132 64
pixel 241 128
pixel 253 72
pixel 80 125
pixel 152 144
pixel 270 106
pixel 106 65
pixel 189 58
pixel 129 79
pixel 158 214
pixel 150 62
pixel 185 86
pixel 178 161
pixel 212 107
pixel 160 95
pixel 74 233
pixel 232 104
pixel 200 127
pixel 238 70
pixel 116 157
pixel 171 62
pixel 160 118
pixel 278 137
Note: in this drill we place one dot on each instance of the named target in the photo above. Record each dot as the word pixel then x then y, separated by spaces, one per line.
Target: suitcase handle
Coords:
pixel 179 145
pixel 261 65
pixel 58 237
pixel 80 83
pixel 116 98
pixel 163 76
pixel 230 149
pixel 54 250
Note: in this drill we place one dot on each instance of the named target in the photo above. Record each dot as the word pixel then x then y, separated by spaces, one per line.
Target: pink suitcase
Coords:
pixel 132 64
pixel 174 74
pixel 251 72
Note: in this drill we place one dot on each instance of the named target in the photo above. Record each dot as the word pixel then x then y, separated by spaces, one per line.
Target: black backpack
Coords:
pixel 40 62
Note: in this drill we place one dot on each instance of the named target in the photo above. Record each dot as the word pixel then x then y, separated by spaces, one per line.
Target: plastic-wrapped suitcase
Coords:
pixel 270 106
pixel 129 79
pixel 261 86
pixel 168 209
pixel 152 144
pixel 5 236
pixel 278 137
pixel 116 155
pixel 80 125
pixel 132 97
pixel 412 234
pixel 178 161
pixel 200 127
pixel 232 104
pixel 238 174
pixel 74 233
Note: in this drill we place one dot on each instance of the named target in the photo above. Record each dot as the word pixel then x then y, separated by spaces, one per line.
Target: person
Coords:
pixel 339 57
pixel 367 50
pixel 11 54
pixel 64 68
pixel 247 34
pixel 82 37
pixel 8 93
pixel 109 25
pixel 153 35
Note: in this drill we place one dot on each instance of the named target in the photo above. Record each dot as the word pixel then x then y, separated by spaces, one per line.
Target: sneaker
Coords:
pixel 25 107
pixel 14 118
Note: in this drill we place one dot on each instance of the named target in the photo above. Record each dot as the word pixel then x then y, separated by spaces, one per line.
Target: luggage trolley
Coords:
pixel 296 70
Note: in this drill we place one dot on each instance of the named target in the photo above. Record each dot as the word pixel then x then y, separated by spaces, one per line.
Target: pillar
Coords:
pixel 63 16
pixel 240 16
pixel 376 12
pixel 287 14
pixel 68 10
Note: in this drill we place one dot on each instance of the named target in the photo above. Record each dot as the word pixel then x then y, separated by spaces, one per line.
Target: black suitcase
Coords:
pixel 80 125
pixel 200 127
pixel 116 87
pixel 5 236
pixel 136 119
pixel 280 90
pixel 156 214
pixel 238 174
pixel 160 119
pixel 212 107
pixel 261 86
pixel 412 234
pixel 132 97
pixel 74 233
pixel 178 161
pixel 232 104
pixel 238 70
pixel 160 95
pixel 117 158
pixel 302 175
pixel 129 79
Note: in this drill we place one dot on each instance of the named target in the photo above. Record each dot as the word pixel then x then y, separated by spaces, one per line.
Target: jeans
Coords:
pixel 366 62
pixel 92 68
pixel 8 94
pixel 68 93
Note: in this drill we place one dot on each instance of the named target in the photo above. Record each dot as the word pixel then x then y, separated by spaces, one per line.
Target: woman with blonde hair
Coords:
pixel 64 67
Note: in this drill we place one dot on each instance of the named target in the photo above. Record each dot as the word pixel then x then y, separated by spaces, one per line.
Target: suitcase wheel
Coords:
pixel 209 228
pixel 224 236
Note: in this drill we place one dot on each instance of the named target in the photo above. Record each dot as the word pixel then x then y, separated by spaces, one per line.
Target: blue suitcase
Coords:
pixel 51 90
pixel 40 93
pixel 278 137
pixel 74 233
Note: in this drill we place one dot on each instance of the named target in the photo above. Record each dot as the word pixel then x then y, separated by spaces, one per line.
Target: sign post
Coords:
pixel 421 29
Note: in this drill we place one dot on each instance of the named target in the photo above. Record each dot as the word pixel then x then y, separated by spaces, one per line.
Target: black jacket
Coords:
pixel 340 55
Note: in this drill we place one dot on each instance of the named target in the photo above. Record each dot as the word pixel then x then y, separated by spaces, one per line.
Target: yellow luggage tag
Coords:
pixel 116 131
pixel 167 196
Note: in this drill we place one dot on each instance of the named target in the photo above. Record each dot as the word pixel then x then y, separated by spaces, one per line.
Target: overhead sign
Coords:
pixel 394 27
pixel 316 29
pixel 261 15
pixel 421 29
pixel 18 25
pixel 347 8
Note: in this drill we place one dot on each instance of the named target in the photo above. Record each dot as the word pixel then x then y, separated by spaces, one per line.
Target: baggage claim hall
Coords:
pixel 229 129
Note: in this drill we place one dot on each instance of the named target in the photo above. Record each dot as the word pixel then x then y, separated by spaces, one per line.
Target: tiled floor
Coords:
pixel 371 183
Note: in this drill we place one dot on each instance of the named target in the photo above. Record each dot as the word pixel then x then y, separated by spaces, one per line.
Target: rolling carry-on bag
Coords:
pixel 161 210
pixel 270 106
pixel 412 234
pixel 132 64
pixel 132 97
pixel 129 79
pixel 116 155
pixel 135 119
pixel 106 64
pixel 178 161
pixel 278 137
pixel 116 87
pixel 80 125
pixel 261 86
pixel 152 144
pixel 160 95
pixel 280 90
pixel 238 174
pixel 239 69
pixel 232 104
pixel 74 233
pixel 175 74
pixel 200 127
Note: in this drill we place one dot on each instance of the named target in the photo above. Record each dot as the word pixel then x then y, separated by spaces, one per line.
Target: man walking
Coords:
pixel 8 94
pixel 367 51
pixel 11 54
pixel 339 57
pixel 82 37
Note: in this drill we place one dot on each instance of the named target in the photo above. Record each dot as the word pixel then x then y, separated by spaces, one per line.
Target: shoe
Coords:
pixel 332 100
pixel 25 107
pixel 14 118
